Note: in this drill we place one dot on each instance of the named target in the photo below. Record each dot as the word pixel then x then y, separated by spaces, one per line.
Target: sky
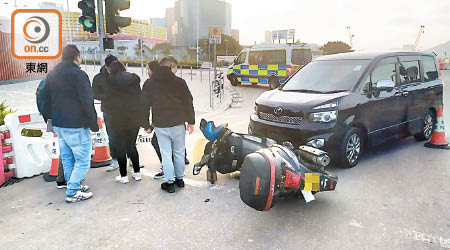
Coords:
pixel 375 24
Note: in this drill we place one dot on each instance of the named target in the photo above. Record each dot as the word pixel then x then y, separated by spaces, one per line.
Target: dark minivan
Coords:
pixel 347 102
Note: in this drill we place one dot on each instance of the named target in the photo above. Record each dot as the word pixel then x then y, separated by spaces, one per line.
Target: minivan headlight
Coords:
pixel 327 116
pixel 326 106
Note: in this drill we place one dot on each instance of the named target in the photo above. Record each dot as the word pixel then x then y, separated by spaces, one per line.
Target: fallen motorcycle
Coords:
pixel 269 171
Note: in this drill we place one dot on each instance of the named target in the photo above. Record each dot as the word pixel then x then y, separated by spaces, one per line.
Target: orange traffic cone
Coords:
pixel 101 156
pixel 51 176
pixel 438 139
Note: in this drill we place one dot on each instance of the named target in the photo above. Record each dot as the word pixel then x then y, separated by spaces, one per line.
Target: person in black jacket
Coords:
pixel 99 85
pixel 171 104
pixel 152 68
pixel 71 107
pixel 127 116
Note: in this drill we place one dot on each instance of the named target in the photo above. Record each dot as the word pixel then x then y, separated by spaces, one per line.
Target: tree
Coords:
pixel 164 48
pixel 4 110
pixel 228 47
pixel 335 47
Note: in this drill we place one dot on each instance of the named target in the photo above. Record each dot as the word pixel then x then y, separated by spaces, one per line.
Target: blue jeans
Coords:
pixel 75 145
pixel 172 141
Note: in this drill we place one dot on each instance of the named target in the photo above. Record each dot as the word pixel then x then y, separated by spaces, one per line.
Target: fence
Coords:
pixel 12 68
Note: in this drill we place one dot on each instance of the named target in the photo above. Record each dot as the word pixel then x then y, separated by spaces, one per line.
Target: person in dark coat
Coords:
pixel 99 85
pixel 71 107
pixel 152 68
pixel 172 107
pixel 123 94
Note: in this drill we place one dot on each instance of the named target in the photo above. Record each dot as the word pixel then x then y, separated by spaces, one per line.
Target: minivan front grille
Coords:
pixel 281 119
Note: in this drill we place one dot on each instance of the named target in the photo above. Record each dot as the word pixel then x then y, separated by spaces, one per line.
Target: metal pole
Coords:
pixel 101 30
pixel 201 74
pixel 197 28
pixel 215 61
pixel 69 23
pixel 142 56
pixel 191 72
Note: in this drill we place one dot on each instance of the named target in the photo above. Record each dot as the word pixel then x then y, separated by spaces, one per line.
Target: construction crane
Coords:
pixel 418 37
pixel 350 36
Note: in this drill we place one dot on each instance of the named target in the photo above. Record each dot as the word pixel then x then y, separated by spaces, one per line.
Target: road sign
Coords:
pixel 215 31
pixel 215 39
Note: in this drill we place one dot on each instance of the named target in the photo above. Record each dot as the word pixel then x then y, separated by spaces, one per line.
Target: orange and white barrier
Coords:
pixel 51 176
pixel 101 153
pixel 438 139
pixel 32 155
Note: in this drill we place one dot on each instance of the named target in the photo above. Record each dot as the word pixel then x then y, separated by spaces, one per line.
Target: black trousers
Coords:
pixel 125 145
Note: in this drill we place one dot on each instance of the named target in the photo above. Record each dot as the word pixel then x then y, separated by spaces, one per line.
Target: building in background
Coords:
pixel 153 31
pixel 235 34
pixel 181 20
pixel 268 37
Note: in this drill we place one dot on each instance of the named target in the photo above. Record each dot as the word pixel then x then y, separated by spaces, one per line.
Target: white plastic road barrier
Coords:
pixel 32 155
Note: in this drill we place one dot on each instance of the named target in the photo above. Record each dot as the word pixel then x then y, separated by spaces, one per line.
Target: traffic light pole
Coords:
pixel 101 30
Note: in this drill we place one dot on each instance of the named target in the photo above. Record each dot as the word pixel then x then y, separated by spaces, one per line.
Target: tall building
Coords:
pixel 182 20
pixel 268 37
pixel 235 34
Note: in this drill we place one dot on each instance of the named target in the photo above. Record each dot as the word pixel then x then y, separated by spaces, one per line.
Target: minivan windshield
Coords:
pixel 327 76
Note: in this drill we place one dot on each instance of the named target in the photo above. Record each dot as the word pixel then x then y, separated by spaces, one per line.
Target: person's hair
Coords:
pixel 168 61
pixel 153 65
pixel 109 59
pixel 116 67
pixel 70 53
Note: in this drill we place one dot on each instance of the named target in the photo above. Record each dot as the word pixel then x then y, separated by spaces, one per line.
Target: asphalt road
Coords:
pixel 396 198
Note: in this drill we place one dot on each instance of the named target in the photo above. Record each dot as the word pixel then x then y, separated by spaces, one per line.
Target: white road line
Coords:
pixel 187 181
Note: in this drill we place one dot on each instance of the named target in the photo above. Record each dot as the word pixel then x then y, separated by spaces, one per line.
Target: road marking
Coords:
pixel 429 238
pixel 187 181
pixel 355 223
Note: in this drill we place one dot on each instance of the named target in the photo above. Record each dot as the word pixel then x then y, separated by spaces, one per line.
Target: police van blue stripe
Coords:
pixel 253 72
pixel 244 66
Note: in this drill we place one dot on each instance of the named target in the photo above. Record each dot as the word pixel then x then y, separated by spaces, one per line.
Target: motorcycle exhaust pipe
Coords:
pixel 314 156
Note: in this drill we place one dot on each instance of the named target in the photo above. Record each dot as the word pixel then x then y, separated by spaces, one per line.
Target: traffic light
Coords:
pixel 87 18
pixel 112 15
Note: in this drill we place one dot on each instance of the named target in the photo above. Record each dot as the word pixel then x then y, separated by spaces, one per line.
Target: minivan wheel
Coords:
pixel 273 83
pixel 427 127
pixel 233 80
pixel 351 148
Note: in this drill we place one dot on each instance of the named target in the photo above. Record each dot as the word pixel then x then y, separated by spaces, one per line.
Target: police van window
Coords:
pixel 429 68
pixel 409 72
pixel 241 58
pixel 301 56
pixel 255 57
pixel 383 72
pixel 274 57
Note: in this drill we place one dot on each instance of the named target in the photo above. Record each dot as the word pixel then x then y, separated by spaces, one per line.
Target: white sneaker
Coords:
pixel 114 165
pixel 137 176
pixel 123 180
pixel 79 196
pixel 84 188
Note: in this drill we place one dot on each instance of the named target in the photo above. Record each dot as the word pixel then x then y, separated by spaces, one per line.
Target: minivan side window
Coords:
pixel 385 71
pixel 241 58
pixel 255 57
pixel 430 72
pixel 274 57
pixel 409 72
pixel 301 56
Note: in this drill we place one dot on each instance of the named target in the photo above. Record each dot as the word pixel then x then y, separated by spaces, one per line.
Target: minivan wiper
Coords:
pixel 305 91
pixel 335 91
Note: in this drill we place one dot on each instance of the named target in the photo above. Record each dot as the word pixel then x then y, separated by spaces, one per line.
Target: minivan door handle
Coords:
pixel 405 93
pixel 398 93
